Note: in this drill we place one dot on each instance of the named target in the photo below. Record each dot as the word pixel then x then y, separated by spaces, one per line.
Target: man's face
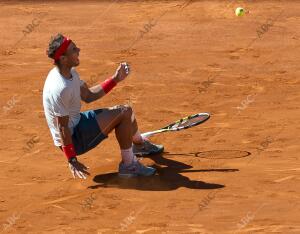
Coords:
pixel 71 56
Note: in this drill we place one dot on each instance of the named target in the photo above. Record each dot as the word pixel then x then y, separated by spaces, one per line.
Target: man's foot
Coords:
pixel 147 148
pixel 135 169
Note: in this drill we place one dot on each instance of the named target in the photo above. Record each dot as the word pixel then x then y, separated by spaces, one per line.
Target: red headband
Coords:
pixel 62 49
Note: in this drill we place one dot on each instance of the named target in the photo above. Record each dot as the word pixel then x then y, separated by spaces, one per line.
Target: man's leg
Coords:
pixel 142 146
pixel 136 135
pixel 120 119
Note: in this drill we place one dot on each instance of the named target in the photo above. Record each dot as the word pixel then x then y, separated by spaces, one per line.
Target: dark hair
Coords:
pixel 54 44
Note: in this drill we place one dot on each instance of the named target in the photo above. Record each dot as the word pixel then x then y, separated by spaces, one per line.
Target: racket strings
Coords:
pixel 183 123
pixel 190 121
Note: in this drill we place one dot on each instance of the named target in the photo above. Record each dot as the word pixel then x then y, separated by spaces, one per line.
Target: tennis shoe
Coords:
pixel 147 148
pixel 135 169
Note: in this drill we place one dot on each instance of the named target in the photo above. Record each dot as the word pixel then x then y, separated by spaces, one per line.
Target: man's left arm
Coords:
pixel 98 91
pixel 91 94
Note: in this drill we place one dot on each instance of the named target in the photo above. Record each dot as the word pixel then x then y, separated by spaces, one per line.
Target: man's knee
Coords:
pixel 130 112
pixel 124 110
pixel 127 111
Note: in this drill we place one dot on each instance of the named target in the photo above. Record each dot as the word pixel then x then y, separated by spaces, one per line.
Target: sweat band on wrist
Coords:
pixel 69 151
pixel 108 85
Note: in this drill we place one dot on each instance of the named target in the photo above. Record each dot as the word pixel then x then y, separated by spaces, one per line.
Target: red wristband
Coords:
pixel 69 151
pixel 108 85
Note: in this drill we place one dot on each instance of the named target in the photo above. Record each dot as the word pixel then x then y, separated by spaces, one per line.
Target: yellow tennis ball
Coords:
pixel 239 11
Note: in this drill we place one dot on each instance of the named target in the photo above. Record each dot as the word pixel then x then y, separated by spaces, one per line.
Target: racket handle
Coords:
pixel 147 134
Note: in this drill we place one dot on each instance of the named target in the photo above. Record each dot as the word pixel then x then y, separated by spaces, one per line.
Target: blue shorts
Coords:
pixel 87 134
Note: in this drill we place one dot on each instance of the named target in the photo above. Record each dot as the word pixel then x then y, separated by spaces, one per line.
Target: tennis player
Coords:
pixel 76 132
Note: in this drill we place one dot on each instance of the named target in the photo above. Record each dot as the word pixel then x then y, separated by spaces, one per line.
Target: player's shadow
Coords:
pixel 167 178
pixel 162 181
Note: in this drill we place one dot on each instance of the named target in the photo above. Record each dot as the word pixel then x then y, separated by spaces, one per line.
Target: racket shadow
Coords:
pixel 213 154
pixel 180 167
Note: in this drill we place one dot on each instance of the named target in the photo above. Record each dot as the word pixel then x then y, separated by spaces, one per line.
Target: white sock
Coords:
pixel 127 156
pixel 137 138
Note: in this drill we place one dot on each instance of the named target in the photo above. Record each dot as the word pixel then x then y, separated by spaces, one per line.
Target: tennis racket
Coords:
pixel 184 123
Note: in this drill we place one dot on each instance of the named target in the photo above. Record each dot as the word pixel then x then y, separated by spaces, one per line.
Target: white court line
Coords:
pixel 292 169
pixel 283 179
pixel 61 199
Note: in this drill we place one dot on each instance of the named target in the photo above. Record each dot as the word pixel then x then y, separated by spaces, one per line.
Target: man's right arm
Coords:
pixel 62 122
pixel 76 168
